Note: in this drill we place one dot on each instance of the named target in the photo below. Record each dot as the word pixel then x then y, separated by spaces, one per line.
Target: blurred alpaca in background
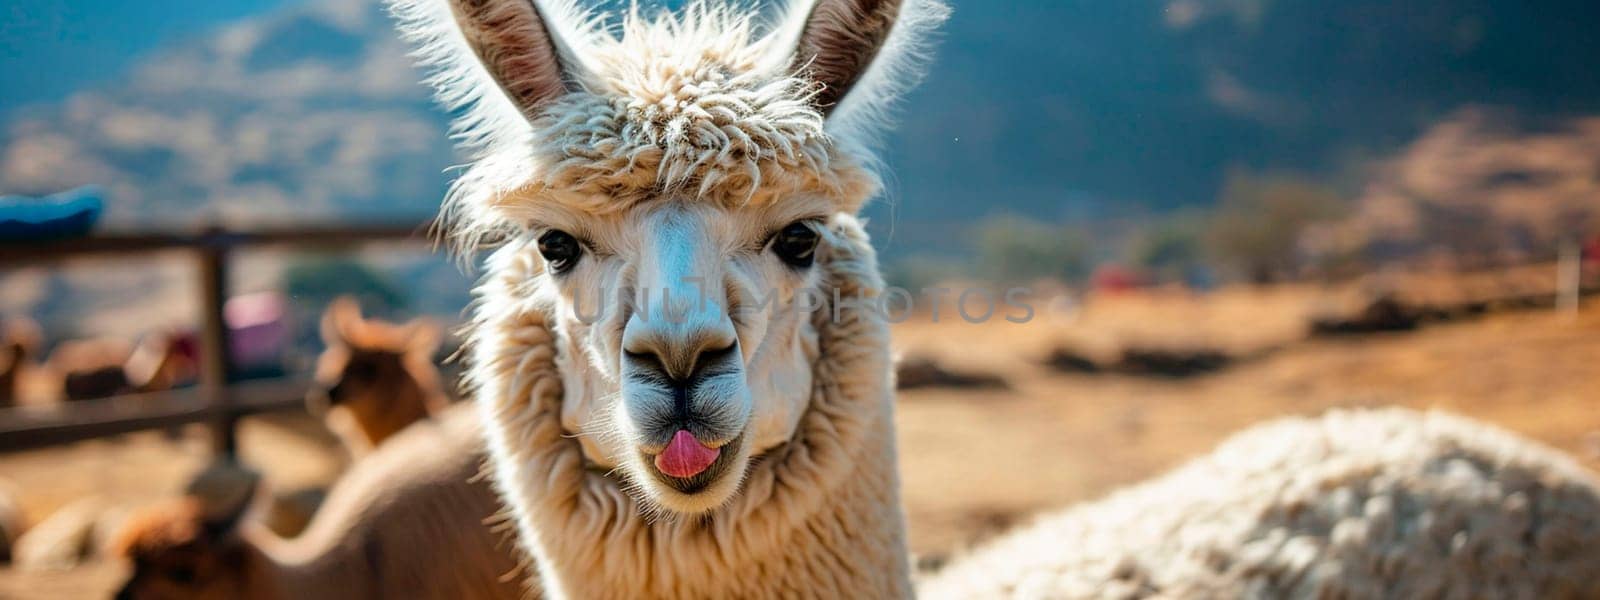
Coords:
pixel 19 340
pixel 375 378
pixel 411 520
pixel 100 368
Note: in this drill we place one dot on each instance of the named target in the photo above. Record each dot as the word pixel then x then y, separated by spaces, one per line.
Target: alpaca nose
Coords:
pixel 679 324
pixel 680 356
pixel 678 339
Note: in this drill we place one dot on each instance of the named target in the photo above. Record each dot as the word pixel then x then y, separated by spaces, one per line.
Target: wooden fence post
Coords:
pixel 216 362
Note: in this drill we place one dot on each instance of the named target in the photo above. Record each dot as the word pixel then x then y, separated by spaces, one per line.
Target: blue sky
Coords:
pixel 49 48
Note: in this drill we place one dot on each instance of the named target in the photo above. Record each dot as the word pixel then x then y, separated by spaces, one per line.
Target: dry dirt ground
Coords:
pixel 974 462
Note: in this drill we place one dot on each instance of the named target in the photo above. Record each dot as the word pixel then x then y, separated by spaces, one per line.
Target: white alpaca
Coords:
pixel 664 416
pixel 1361 504
pixel 700 434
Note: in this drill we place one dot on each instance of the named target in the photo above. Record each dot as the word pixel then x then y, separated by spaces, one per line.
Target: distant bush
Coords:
pixel 316 282
pixel 1012 249
pixel 1259 220
pixel 918 272
pixel 1171 248
pixel 313 283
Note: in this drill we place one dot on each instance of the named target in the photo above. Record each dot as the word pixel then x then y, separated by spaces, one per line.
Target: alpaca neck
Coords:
pixel 817 516
pixel 407 521
pixel 379 421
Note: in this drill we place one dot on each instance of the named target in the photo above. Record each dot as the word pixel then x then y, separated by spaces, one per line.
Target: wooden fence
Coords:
pixel 218 399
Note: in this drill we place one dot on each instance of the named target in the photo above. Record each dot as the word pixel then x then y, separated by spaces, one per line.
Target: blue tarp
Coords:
pixel 68 214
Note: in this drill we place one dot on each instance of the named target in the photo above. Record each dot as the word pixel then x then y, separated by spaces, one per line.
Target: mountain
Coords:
pixel 310 114
pixel 1062 108
pixel 1476 190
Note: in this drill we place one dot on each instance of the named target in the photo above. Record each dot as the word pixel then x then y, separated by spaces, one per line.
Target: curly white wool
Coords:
pixel 1354 504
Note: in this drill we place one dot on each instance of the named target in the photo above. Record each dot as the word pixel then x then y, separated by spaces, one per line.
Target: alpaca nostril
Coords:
pixel 710 359
pixel 681 363
pixel 645 358
pixel 717 354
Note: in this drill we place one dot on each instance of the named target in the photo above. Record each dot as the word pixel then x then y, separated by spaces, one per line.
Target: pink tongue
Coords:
pixel 685 457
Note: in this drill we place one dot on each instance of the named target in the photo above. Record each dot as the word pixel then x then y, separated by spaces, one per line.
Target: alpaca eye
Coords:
pixel 560 249
pixel 796 244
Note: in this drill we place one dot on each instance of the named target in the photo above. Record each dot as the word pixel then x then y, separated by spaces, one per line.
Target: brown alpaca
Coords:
pixel 101 368
pixel 411 520
pixel 375 378
pixel 19 339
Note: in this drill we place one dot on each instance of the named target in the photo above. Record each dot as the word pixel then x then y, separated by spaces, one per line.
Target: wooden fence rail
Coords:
pixel 218 399
pixel 27 427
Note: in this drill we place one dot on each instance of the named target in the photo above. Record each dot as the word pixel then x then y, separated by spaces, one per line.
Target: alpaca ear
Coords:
pixel 514 45
pixel 862 53
pixel 423 336
pixel 339 320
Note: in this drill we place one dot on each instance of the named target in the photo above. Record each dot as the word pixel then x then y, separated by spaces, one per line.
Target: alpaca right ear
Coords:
pixel 514 45
pixel 423 336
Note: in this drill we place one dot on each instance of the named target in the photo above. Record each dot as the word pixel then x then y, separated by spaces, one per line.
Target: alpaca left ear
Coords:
pixel 863 53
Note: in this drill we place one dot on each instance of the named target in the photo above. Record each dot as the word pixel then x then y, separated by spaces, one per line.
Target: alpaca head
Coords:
pixel 191 547
pixel 673 175
pixel 368 365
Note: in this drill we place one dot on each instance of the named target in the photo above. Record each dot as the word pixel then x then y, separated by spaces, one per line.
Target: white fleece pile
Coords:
pixel 1355 504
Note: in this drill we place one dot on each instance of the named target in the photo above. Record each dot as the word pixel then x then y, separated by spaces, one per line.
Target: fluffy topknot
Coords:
pixel 704 103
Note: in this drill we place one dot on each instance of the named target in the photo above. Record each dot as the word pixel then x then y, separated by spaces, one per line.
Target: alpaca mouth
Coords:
pixel 692 484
